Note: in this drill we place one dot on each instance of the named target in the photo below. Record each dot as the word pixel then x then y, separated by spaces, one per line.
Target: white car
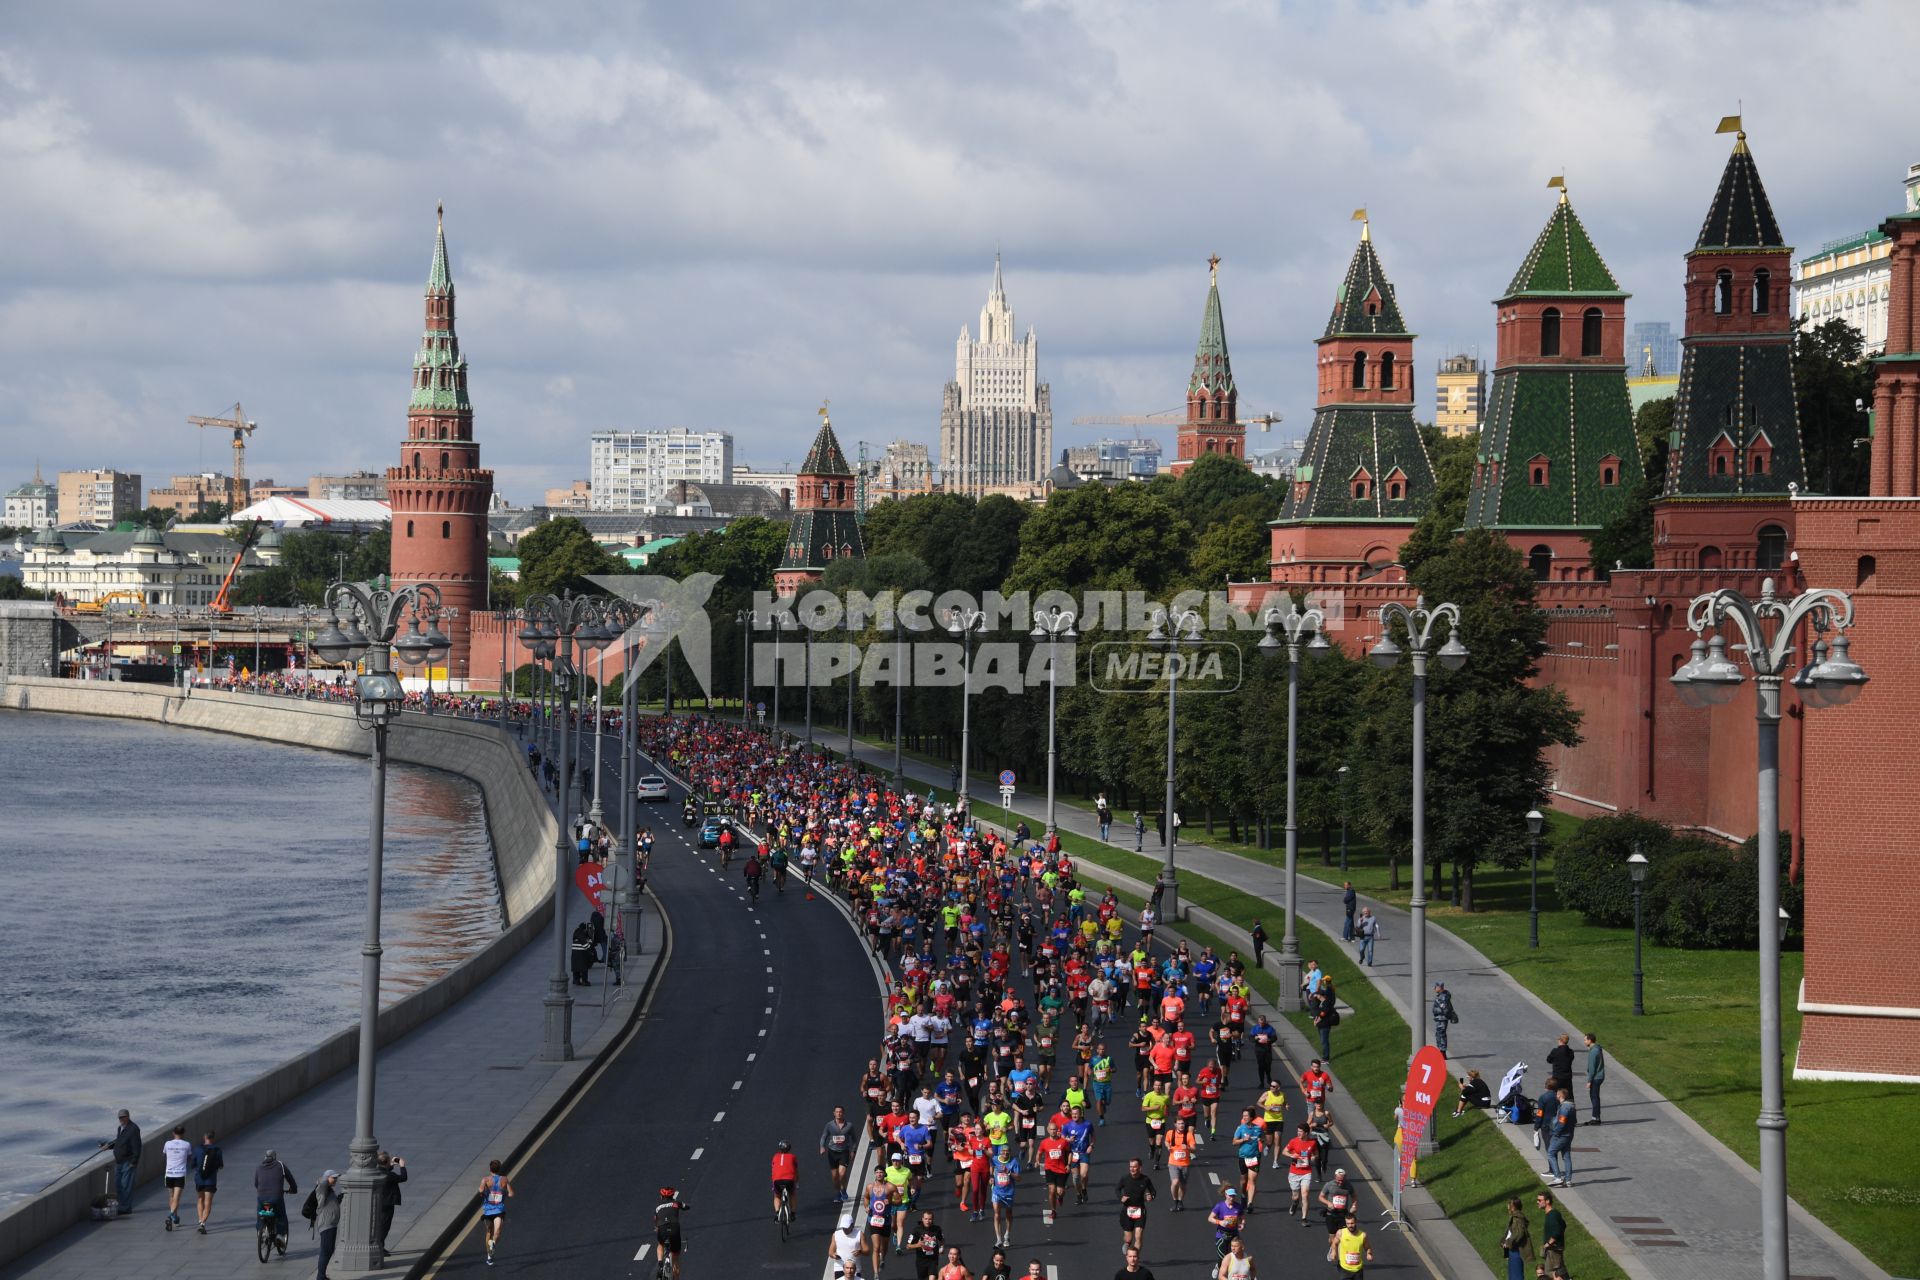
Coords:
pixel 651 787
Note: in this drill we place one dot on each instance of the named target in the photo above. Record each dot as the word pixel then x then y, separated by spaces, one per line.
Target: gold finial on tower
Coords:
pixel 825 421
pixel 1735 126
pixel 1360 216
pixel 1213 268
pixel 1559 180
pixel 440 215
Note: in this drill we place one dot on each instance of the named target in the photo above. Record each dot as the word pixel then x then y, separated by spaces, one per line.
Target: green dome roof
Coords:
pixel 49 537
pixel 149 537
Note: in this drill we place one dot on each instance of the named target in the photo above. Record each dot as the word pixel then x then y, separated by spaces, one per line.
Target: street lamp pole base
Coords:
pixel 1289 964
pixel 358 1244
pixel 559 1039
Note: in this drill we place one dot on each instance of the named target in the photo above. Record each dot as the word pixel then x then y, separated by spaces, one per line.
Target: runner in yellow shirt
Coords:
pixel 1351 1251
pixel 1153 1108
pixel 1273 1113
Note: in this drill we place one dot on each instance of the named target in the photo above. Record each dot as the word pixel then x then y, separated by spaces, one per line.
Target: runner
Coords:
pixel 1246 1149
pixel 1338 1199
pixel 1210 1082
pixel 1136 1191
pixel 1153 1110
pixel 1227 1216
pixel 879 1219
pixel 836 1144
pixel 1273 1116
pixel 1351 1251
pixel 843 1251
pixel 1102 1070
pixel 1079 1133
pixel 1236 1263
pixel 1056 1162
pixel 1301 1151
pixel 495 1191
pixel 1004 1176
pixel 1179 1158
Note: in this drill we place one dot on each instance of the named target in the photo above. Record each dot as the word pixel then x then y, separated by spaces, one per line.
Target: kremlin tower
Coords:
pixel 1213 403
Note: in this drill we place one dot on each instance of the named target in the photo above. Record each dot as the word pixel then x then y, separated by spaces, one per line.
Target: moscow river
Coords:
pixel 183 910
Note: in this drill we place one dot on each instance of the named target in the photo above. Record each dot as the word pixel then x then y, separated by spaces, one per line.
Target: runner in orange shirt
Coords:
pixel 1180 1143
pixel 1300 1151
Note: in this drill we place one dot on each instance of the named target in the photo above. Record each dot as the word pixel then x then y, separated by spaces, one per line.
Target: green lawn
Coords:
pixel 1697 1042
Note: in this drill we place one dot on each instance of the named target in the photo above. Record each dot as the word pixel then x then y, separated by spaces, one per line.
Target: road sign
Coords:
pixel 1006 797
pixel 760 708
pixel 1006 777
pixel 176 649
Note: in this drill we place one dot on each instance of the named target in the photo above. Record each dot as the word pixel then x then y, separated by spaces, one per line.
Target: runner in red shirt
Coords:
pixel 1162 1058
pixel 1316 1083
pixel 1182 1040
pixel 1056 1158
pixel 1300 1151
pixel 1209 1082
pixel 1186 1101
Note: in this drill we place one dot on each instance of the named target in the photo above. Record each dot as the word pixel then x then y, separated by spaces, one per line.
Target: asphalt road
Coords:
pixel 751 1039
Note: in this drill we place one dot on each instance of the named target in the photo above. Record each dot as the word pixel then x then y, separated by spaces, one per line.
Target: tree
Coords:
pixel 1217 487
pixel 561 555
pixel 1101 538
pixel 1488 727
pixel 12 588
pixel 1833 383
pixel 1234 550
pixel 310 560
pixel 1627 539
pixel 1453 461
pixel 152 518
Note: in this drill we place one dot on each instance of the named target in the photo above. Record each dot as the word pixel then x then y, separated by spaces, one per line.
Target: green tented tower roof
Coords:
pixel 1563 261
pixel 1366 279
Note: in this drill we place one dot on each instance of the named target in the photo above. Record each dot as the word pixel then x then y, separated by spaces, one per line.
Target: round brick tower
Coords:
pixel 439 493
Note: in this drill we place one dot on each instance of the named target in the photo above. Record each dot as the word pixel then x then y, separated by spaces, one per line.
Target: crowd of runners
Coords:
pixel 1018 1002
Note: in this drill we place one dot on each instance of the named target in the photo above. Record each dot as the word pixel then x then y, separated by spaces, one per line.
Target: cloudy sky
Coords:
pixel 714 214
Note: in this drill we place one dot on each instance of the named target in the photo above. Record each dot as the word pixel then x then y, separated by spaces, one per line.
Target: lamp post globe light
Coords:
pixel 374 617
pixel 963 622
pixel 1419 622
pixel 1288 631
pixel 1536 822
pixel 1053 626
pixel 1829 679
pixel 555 624
pixel 1171 631
pixel 1637 868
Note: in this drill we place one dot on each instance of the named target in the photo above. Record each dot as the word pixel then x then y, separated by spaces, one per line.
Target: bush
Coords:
pixel 1590 867
pixel 1705 899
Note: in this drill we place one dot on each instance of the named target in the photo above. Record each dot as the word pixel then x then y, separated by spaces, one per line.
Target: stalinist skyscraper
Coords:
pixel 996 419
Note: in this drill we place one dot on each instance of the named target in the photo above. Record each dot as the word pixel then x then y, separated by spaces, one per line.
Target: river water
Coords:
pixel 181 910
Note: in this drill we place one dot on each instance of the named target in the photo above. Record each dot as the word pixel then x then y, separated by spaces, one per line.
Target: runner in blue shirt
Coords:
pixel 1004 1176
pixel 915 1139
pixel 1246 1148
pixel 1078 1132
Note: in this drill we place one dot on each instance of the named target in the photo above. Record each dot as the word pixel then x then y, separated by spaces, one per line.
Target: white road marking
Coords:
pixel 1214 1176
pixel 766 951
pixel 752 1056
pixel 763 1031
pixel 1053 1272
pixel 763 936
pixel 698 1152
pixel 769 968
pixel 767 1010
pixel 643 1252
pixel 718 1116
pixel 738 1083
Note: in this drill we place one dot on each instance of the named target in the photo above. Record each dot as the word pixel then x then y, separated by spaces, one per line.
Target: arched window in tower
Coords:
pixel 1539 471
pixel 1762 291
pixel 1386 370
pixel 446 528
pixel 1722 292
pixel 1609 471
pixel 1359 370
pixel 1229 448
pixel 1590 332
pixel 443 459
pixel 416 459
pixel 1772 552
pixel 1863 572
pixel 1540 562
pixel 1710 558
pixel 1550 332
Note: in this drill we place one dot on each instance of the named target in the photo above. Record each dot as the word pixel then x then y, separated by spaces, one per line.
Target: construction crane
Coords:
pixel 1165 418
pixel 223 600
pixel 241 428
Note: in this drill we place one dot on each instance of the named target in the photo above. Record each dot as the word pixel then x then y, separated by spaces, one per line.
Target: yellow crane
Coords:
pixel 241 428
pixel 1165 418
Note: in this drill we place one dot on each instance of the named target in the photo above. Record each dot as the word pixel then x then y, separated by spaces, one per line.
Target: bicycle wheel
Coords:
pixel 785 1216
pixel 266 1239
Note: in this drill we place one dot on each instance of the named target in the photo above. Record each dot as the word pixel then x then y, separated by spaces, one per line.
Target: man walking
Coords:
pixel 1444 1015
pixel 1259 936
pixel 125 1144
pixel 1367 928
pixel 1103 814
pixel 1350 901
pixel 326 1218
pixel 1553 1240
pixel 179 1154
pixel 1139 831
pixel 1566 1118
pixel 1596 1074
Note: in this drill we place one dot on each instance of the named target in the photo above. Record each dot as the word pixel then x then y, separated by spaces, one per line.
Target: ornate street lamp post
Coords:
pixel 964 622
pixel 554 625
pixel 1535 822
pixel 1053 626
pixel 1171 631
pixel 1290 629
pixel 1829 679
pixel 1419 622
pixel 1637 868
pixel 744 619
pixel 1343 819
pixel 373 620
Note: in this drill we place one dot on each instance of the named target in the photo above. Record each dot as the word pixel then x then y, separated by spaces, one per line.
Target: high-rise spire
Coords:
pixel 439 370
pixel 439 276
pixel 999 291
pixel 1212 368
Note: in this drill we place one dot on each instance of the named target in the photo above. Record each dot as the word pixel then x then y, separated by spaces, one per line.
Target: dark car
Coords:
pixel 710 832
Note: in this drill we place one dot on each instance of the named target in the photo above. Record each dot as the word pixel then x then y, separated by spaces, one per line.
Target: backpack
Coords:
pixel 310 1207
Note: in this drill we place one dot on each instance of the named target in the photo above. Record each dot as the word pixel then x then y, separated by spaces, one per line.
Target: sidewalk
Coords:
pixel 464 1087
pixel 1649 1161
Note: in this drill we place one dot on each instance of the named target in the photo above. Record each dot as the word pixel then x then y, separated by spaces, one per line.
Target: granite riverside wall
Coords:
pixel 521 827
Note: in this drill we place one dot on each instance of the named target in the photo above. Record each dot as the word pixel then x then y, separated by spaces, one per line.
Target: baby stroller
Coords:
pixel 1516 1106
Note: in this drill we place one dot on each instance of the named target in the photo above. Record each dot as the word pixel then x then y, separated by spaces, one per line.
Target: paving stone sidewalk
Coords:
pixel 1665 1198
pixel 466 1086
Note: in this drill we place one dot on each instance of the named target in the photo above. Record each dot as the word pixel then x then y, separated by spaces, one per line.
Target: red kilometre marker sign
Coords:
pixel 591 878
pixel 1426 1077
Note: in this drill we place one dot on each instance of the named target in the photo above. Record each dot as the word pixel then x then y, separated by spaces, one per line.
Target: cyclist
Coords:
pixel 752 872
pixel 786 1171
pixel 666 1226
pixel 272 1181
pixel 726 843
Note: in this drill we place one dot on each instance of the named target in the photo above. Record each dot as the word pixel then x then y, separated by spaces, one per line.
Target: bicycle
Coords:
pixel 753 889
pixel 784 1215
pixel 269 1234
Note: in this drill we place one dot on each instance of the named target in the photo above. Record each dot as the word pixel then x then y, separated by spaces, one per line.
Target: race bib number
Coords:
pixel 1134 1211
pixel 876 1219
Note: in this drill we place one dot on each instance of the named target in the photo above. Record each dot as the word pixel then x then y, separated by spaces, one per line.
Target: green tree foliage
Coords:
pixel 968 545
pixel 1236 549
pixel 152 518
pixel 561 555
pixel 1487 728
pixel 1453 459
pixel 1101 538
pixel 1217 488
pixel 12 588
pixel 1627 539
pixel 1699 893
pixel 310 560
pixel 1831 379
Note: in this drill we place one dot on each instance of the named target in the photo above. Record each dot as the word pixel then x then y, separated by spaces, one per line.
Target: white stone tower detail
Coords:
pixel 996 418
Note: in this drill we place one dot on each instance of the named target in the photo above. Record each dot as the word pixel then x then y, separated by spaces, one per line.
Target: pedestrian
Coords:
pixel 582 950
pixel 1349 900
pixel 1139 831
pixel 1236 1263
pixel 1560 1060
pixel 1326 1017
pixel 1367 929
pixel 1553 1239
pixel 1517 1244
pixel 1259 936
pixel 393 1172
pixel 1444 1015
pixel 179 1157
pixel 208 1160
pixel 125 1145
pixel 1103 814
pixel 326 1219
pixel 495 1191
pixel 1596 1074
pixel 1566 1118
pixel 1544 1108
